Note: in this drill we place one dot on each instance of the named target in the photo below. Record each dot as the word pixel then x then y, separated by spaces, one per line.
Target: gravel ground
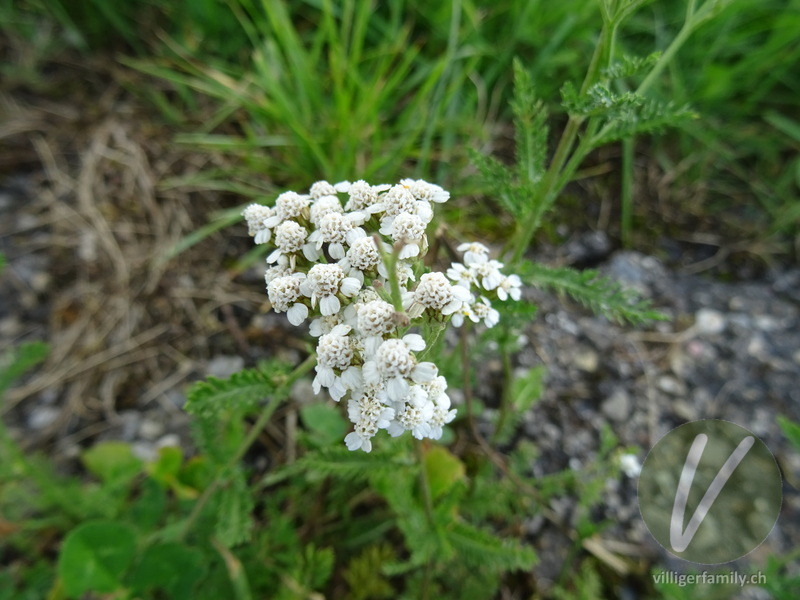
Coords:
pixel 729 351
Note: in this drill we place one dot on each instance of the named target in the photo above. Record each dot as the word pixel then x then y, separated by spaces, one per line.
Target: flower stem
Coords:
pixel 390 261
pixel 278 397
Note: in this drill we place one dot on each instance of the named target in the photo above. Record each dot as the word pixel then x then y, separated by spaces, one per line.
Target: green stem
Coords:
pixel 423 482
pixel 547 189
pixel 254 432
pixel 390 261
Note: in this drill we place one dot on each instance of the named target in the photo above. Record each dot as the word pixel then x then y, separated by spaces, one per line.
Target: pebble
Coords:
pixel 709 321
pixel 670 385
pixel 223 366
pixel 587 360
pixel 617 406
pixel 43 416
pixel 150 429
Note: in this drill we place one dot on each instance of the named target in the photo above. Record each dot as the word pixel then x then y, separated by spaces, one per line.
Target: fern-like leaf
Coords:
pixel 530 123
pixel 628 66
pixel 234 511
pixel 207 399
pixel 600 294
pixel 485 550
pixel 353 466
pixel 650 117
pixel 599 100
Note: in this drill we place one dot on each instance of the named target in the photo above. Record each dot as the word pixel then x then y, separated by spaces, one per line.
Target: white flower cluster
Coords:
pixel 338 252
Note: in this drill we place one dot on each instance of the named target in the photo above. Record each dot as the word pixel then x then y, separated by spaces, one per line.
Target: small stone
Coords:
pixel 224 366
pixel 150 429
pixel 709 321
pixel 144 451
pixel 587 360
pixel 670 385
pixel 42 417
pixel 617 406
pixel 129 421
pixel 169 440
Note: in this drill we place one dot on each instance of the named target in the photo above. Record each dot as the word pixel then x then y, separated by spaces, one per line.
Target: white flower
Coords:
pixel 464 312
pixel 336 230
pixel 283 293
pixel 376 318
pixel 361 257
pixel 398 199
pixel 395 364
pixel 278 270
pixel 322 325
pixel 256 216
pixel 462 275
pixel 483 310
pixel 324 283
pixel 407 228
pixel 441 416
pixel 474 252
pixel 324 206
pixel 320 189
pixel 414 416
pixel 488 273
pixel 290 237
pixel 363 196
pixel 289 205
pixel 429 192
pixel 369 413
pixel 435 292
pixel 511 286
pixel 630 465
pixel 335 352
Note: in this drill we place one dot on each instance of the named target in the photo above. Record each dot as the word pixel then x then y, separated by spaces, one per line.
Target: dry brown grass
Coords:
pixel 124 324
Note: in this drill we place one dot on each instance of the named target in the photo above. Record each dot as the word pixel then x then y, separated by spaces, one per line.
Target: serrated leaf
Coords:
pixel 235 512
pixel 112 462
pixel 628 66
pixel 341 462
pixel 600 294
pixel 95 556
pixel 172 568
pixel 598 100
pixel 483 549
pixel 650 117
pixel 243 390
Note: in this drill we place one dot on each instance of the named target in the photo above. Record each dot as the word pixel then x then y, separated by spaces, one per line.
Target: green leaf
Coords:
pixel 208 399
pixel 791 430
pixel 15 362
pixel 443 469
pixel 483 549
pixel 148 508
pixel 234 512
pixel 325 424
pixel 600 294
pixel 527 389
pixel 166 467
pixel 112 462
pixel 236 572
pixel 631 65
pixel 172 568
pixel 95 556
